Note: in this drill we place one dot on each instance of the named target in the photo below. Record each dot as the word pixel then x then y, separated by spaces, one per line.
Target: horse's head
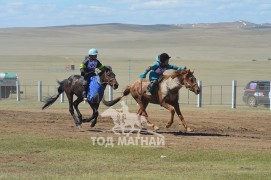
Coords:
pixel 109 77
pixel 188 80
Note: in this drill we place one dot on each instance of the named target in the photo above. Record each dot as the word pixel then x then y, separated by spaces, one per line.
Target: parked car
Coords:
pixel 256 93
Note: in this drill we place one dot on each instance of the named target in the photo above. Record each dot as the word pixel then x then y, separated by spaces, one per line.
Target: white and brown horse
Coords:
pixel 166 94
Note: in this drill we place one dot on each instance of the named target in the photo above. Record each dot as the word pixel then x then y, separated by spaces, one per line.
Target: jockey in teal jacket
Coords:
pixel 157 70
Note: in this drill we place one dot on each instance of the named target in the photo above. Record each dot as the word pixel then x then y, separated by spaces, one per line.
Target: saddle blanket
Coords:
pixel 96 90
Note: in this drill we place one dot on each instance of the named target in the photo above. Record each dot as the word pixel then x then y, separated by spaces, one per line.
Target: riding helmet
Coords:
pixel 93 52
pixel 163 57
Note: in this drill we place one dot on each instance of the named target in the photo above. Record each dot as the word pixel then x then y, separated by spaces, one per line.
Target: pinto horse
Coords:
pixel 166 94
pixel 74 86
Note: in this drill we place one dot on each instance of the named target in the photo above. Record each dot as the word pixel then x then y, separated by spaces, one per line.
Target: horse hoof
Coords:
pixel 93 124
pixel 155 128
pixel 168 125
pixel 79 126
pixel 189 130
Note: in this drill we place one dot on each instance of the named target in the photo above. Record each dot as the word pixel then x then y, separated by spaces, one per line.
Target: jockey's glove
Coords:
pixel 142 76
pixel 182 68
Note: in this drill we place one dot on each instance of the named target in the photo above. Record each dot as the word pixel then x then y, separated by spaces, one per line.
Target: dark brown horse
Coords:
pixel 167 94
pixel 74 86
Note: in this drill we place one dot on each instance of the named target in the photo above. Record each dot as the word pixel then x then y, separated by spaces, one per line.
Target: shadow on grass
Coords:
pixel 175 133
pixel 180 133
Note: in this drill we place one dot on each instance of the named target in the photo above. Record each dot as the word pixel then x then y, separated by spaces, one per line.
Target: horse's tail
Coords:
pixel 124 93
pixel 50 100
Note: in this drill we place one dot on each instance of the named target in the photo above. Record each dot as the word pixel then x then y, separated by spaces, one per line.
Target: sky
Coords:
pixel 41 13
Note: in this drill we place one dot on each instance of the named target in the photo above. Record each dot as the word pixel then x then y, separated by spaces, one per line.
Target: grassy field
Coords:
pixel 32 157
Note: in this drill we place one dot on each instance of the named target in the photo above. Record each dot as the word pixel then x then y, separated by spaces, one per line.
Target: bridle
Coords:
pixel 107 82
pixel 190 86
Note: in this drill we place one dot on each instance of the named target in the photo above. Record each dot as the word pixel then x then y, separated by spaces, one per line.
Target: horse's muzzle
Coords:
pixel 115 86
pixel 196 90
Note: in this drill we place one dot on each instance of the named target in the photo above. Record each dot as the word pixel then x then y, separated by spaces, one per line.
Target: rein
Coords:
pixel 185 83
pixel 108 81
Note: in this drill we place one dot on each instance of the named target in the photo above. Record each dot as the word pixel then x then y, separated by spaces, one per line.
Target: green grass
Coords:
pixel 29 157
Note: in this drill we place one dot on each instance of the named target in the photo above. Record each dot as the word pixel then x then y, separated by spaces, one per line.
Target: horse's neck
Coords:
pixel 103 80
pixel 171 83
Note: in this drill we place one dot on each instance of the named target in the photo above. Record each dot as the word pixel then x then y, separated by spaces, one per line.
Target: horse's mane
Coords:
pixel 175 74
pixel 107 67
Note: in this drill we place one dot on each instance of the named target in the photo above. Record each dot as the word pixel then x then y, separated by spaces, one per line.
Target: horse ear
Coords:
pixel 188 71
pixel 108 68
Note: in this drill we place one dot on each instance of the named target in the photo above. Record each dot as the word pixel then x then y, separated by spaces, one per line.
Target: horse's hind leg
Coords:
pixel 75 104
pixel 142 111
pixel 178 111
pixel 95 114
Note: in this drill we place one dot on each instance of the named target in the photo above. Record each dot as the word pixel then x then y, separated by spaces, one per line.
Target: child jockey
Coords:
pixel 87 69
pixel 157 70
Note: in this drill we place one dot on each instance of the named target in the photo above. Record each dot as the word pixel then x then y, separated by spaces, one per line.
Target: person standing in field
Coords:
pixel 87 69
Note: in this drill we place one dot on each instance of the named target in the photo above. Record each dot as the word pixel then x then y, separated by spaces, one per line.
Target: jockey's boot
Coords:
pixel 151 87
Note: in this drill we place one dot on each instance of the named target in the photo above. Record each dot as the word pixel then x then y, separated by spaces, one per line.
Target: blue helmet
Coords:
pixel 93 52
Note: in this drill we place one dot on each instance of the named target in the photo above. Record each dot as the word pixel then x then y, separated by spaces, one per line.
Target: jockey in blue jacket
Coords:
pixel 87 69
pixel 157 70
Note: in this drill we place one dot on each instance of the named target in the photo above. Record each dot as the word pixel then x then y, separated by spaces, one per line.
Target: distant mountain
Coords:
pixel 160 27
pixel 237 24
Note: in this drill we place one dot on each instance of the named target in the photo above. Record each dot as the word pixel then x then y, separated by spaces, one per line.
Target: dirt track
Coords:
pixel 213 130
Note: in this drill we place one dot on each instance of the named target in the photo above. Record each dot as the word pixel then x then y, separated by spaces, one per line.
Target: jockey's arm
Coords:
pixel 175 67
pixel 171 67
pixel 83 67
pixel 153 67
pixel 100 66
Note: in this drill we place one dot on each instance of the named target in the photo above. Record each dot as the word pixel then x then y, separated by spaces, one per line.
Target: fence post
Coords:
pixel 39 90
pixel 0 91
pixel 18 91
pixel 233 94
pixel 62 98
pixel 129 71
pixel 110 93
pixel 270 95
pixel 200 95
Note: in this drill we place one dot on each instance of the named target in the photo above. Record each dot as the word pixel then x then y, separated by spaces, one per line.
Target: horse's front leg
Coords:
pixel 172 111
pixel 178 111
pixel 95 114
pixel 75 104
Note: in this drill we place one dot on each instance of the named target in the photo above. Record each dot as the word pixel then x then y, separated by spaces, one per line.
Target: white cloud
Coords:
pixel 228 6
pixel 154 4
pixel 93 8
pixel 265 6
